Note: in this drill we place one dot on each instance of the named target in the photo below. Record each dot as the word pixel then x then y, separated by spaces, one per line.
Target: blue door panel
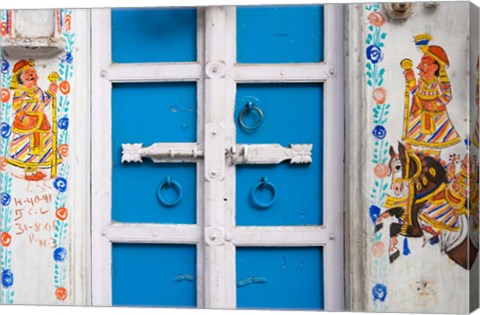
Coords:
pixel 292 114
pixel 280 34
pixel 154 35
pixel 135 189
pixel 148 113
pixel 280 278
pixel 153 275
pixel 154 112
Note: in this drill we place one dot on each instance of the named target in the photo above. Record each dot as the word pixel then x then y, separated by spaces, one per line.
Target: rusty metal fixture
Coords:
pixel 398 10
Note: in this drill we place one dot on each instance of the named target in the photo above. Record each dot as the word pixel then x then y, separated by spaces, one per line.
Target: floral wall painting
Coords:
pixel 34 170
pixel 429 197
pixel 423 202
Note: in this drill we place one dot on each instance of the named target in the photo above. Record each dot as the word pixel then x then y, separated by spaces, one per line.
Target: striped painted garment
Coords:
pixel 31 143
pixel 431 128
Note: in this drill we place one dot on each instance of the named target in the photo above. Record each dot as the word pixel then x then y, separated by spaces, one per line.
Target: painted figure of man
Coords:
pixel 427 123
pixel 31 143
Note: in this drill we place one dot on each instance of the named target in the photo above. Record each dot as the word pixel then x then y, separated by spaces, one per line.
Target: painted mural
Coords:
pixel 421 208
pixel 35 169
pixel 429 194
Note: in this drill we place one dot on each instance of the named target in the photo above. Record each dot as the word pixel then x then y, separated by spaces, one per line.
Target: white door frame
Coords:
pixel 215 234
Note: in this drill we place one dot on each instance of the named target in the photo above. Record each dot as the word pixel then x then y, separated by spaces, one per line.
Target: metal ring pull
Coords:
pixel 263 184
pixel 169 183
pixel 250 107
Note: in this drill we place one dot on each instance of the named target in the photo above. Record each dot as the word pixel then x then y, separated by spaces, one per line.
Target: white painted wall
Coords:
pixel 426 280
pixel 32 227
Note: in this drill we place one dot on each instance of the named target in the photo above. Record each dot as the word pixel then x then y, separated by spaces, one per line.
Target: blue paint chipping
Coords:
pixel 406 249
pixel 379 292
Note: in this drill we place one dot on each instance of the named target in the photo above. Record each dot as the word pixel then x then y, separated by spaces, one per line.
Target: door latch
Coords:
pixel 270 154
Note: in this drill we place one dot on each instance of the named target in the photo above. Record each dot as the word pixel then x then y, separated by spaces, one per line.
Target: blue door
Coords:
pixel 258 240
pixel 149 112
pixel 283 113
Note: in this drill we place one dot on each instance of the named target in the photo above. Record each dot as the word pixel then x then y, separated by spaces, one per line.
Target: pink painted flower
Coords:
pixel 5 95
pixel 67 22
pixel 63 150
pixel 61 213
pixel 378 249
pixel 381 170
pixel 61 293
pixel 3 164
pixel 4 28
pixel 64 87
pixel 376 19
pixel 5 239
pixel 379 95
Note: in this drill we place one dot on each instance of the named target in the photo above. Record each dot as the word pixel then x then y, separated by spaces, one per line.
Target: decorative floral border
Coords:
pixel 380 110
pixel 6 23
pixel 60 235
pixel 7 276
pixel 61 231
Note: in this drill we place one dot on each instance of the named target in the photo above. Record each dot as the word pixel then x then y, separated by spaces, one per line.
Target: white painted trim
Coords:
pixel 301 72
pixel 356 114
pixel 215 285
pixel 200 164
pixel 230 169
pixel 101 158
pixel 288 236
pixel 333 158
pixel 155 72
pixel 153 233
pixel 80 161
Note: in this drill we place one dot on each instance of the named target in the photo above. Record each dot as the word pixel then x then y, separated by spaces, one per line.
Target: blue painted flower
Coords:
pixel 5 199
pixel 374 213
pixel 379 132
pixel 4 66
pixel 60 254
pixel 63 123
pixel 5 130
pixel 60 184
pixel 7 278
pixel 374 54
pixel 68 57
pixel 379 292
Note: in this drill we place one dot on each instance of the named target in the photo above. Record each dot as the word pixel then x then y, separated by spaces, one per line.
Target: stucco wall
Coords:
pixel 44 209
pixel 417 274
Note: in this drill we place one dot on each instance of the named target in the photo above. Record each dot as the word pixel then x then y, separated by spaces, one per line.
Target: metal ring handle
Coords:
pixel 169 183
pixel 264 184
pixel 249 107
